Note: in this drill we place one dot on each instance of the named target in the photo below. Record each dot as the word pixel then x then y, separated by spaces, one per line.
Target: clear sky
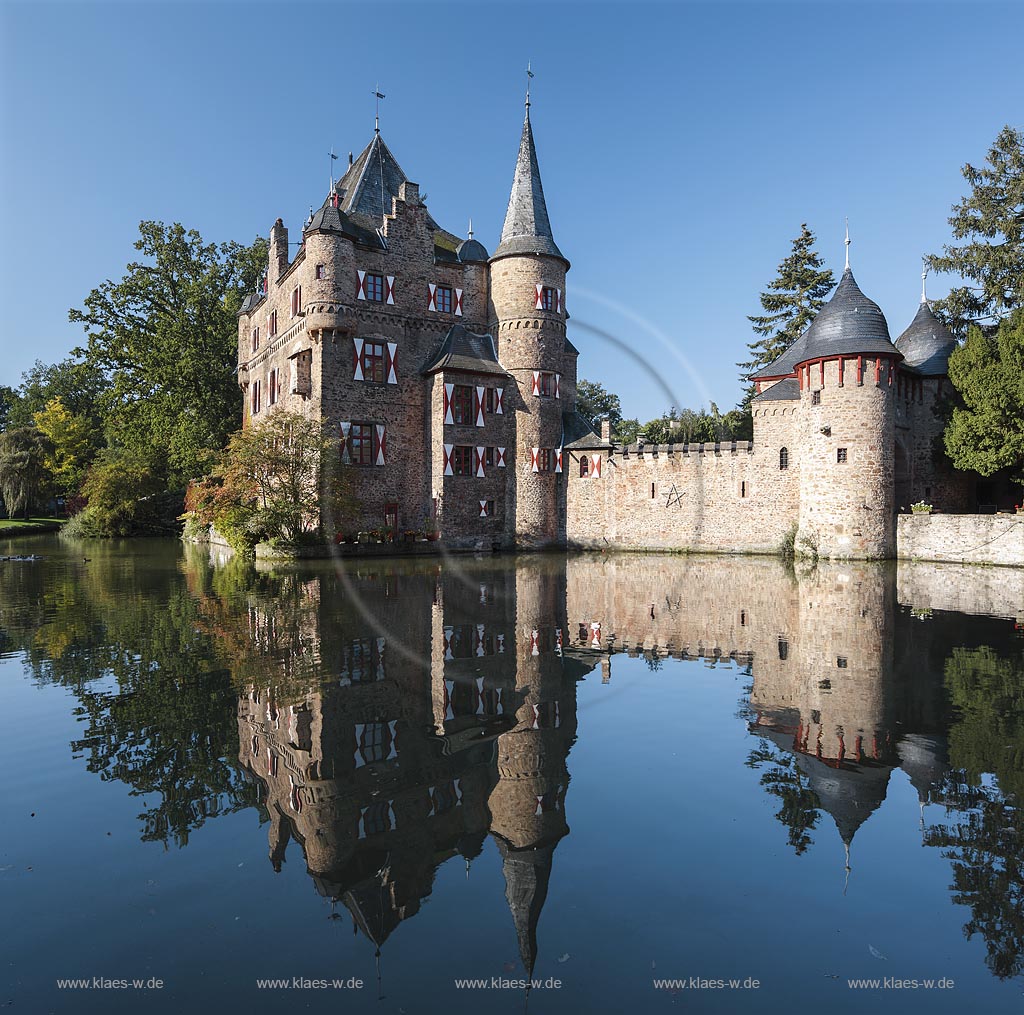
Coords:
pixel 681 146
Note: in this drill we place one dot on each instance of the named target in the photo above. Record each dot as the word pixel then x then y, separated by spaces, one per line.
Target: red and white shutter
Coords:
pixel 381 442
pixel 558 459
pixel 480 463
pixel 558 385
pixel 458 302
pixel 535 642
pixel 534 459
pixel 501 458
pixel 431 296
pixel 539 302
pixel 558 300
pixel 480 392
pixel 595 635
pixel 390 290
pixel 357 359
pixel 361 286
pixel 595 466
pixel 536 383
pixel 483 514
pixel 448 389
pixel 448 471
pixel 346 426
pixel 499 401
pixel 392 360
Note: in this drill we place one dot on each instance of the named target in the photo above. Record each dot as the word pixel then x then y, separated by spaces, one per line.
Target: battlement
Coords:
pixel 715 449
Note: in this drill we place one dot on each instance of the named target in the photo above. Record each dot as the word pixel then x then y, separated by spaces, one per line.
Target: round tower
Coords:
pixel 527 316
pixel 846 424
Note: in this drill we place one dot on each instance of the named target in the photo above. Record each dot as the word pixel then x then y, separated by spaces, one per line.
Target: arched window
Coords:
pixel 783 458
pixel 584 467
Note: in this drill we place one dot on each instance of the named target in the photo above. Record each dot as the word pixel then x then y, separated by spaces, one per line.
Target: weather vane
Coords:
pixel 378 95
pixel 847 243
pixel 529 75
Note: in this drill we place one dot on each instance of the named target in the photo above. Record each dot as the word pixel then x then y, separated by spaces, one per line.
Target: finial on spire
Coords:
pixel 924 277
pixel 847 244
pixel 470 236
pixel 333 157
pixel 529 75
pixel 378 95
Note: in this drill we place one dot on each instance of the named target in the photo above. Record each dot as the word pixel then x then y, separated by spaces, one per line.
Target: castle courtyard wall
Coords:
pixel 974 539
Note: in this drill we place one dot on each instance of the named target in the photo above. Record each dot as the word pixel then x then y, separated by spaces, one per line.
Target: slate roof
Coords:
pixel 927 343
pixel 578 433
pixel 786 390
pixel 465 350
pixel 849 323
pixel 527 229
pixel 472 250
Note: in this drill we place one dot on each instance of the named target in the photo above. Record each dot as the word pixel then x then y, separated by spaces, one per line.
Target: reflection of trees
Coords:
pixel 983 836
pixel 799 810
pixel 123 633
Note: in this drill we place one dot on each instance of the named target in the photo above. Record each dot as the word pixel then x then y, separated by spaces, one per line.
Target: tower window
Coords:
pixel 443 299
pixel 841 662
pixel 489 456
pixel 374 288
pixel 321 271
pixel 783 648
pixel 744 489
pixel 544 460
pixel 546 385
pixel 584 466
pixel 783 458
pixel 373 362
pixel 462 403
pixel 652 491
pixel 816 397
pixel 548 299
pixel 489 400
pixel 841 456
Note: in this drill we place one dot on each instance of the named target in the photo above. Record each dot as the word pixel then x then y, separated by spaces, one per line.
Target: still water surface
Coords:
pixel 603 771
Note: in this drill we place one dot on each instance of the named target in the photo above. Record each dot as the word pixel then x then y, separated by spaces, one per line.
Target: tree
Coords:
pixel 991 218
pixel 277 480
pixel 790 303
pixel 77 384
pixel 165 336
pixel 9 398
pixel 24 478
pixel 71 445
pixel 987 433
pixel 596 404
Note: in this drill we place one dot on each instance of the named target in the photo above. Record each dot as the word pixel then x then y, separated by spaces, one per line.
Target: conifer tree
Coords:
pixel 991 218
pixel 790 303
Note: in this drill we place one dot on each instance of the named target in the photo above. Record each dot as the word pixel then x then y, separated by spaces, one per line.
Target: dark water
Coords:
pixel 602 771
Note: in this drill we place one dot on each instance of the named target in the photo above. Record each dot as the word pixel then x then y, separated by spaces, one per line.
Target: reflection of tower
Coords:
pixel 528 802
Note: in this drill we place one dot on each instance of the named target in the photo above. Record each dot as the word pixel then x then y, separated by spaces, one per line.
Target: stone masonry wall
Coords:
pixel 974 539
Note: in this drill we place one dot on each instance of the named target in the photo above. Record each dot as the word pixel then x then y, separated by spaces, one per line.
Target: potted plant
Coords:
pixel 431 531
pixel 921 508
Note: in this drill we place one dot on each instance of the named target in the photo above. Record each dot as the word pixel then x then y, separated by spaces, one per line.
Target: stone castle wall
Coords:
pixel 977 539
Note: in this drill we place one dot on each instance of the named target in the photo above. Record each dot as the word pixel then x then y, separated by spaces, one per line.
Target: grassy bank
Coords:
pixel 32 526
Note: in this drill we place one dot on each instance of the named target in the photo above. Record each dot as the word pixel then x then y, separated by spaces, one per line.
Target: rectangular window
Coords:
pixel 462 460
pixel 272 387
pixel 255 397
pixel 489 400
pixel 296 305
pixel 487 509
pixel 815 398
pixel 321 271
pixel 443 299
pixel 547 385
pixel 272 324
pixel 488 456
pixel 255 339
pixel 391 516
pixel 360 444
pixel 743 488
pixel 373 362
pixel 375 288
pixel 462 404
pixel 841 455
pixel 544 460
pixel 548 299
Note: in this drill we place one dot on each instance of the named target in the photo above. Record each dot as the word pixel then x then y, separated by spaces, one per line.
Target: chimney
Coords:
pixel 278 254
pixel 606 431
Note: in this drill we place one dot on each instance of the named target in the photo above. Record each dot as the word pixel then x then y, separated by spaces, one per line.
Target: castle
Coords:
pixel 449 377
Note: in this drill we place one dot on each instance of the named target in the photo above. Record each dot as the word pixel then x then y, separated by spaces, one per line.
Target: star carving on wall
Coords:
pixel 674 497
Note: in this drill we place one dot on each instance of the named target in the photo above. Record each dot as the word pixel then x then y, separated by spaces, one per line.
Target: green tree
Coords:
pixel 71 445
pixel 9 398
pixel 987 433
pixel 782 778
pixel 165 336
pixel 791 301
pixel 597 404
pixel 122 490
pixel 991 219
pixel 24 478
pixel 77 384
pixel 277 480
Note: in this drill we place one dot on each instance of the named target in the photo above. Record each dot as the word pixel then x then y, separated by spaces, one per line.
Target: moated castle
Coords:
pixel 449 376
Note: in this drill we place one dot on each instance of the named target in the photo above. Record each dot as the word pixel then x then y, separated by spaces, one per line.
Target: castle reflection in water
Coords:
pixel 443 708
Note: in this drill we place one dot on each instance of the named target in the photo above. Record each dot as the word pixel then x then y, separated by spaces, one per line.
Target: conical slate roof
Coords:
pixel 848 324
pixel 927 343
pixel 527 229
pixel 359 191
pixel 527 873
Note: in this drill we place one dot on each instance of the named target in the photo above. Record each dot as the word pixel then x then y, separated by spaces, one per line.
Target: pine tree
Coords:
pixel 992 219
pixel 790 303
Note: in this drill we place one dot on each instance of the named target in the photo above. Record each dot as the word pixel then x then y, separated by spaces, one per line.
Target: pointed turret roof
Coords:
pixel 849 323
pixel 527 873
pixel 360 194
pixel 527 229
pixel 927 343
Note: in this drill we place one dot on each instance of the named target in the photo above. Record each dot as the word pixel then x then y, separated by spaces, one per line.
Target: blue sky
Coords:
pixel 681 147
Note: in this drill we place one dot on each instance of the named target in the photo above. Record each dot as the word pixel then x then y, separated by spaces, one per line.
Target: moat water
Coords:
pixel 608 773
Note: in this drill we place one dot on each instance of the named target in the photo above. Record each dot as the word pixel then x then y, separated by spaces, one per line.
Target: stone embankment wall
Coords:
pixel 961 588
pixel 967 539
